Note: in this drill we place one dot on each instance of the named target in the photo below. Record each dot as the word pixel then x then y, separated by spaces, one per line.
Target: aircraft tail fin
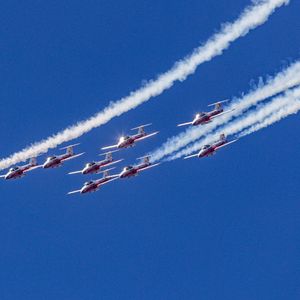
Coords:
pixel 218 105
pixel 146 159
pixel 141 129
pixel 222 137
pixel 70 148
pixel 33 161
pixel 106 172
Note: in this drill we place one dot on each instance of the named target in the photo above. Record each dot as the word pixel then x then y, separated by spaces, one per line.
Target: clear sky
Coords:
pixel 225 227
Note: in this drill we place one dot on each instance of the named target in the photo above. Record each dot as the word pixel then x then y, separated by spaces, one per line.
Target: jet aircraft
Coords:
pixel 57 161
pixel 130 140
pixel 203 118
pixel 208 150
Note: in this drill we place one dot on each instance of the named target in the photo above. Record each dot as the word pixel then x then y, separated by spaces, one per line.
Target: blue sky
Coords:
pixel 219 228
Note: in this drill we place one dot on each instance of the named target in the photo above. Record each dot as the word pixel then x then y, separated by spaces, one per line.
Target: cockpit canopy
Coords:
pixel 13 169
pixel 206 147
pixel 90 164
pixel 88 183
pixel 124 138
pixel 51 157
pixel 200 114
pixel 128 168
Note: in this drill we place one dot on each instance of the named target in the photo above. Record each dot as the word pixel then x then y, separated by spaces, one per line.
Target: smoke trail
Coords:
pixel 273 118
pixel 263 116
pixel 282 81
pixel 252 17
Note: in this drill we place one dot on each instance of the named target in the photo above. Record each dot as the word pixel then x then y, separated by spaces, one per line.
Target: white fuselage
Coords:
pixel 95 167
pixel 131 171
pixel 17 172
pixel 128 141
pixel 55 161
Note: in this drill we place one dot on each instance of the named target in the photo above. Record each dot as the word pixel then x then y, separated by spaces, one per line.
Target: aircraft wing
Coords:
pixel 149 167
pixel 73 156
pixel 32 168
pixel 146 136
pixel 112 179
pixel 109 147
pixel 74 192
pixel 114 162
pixel 185 124
pixel 190 156
pixel 75 172
pixel 2 176
pixel 223 113
pixel 226 144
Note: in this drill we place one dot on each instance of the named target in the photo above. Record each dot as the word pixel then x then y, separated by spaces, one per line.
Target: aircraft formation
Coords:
pixel 128 141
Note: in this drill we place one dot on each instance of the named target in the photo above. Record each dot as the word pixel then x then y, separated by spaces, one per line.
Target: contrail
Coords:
pixel 265 115
pixel 286 79
pixel 253 16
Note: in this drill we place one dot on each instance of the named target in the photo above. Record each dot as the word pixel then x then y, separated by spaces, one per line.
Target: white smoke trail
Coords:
pixel 281 82
pixel 252 17
pixel 277 109
pixel 273 118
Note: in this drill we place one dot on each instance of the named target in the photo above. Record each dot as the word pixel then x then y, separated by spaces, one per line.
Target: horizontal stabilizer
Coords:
pixel 142 157
pixel 141 126
pixel 69 146
pixel 109 152
pixel 219 102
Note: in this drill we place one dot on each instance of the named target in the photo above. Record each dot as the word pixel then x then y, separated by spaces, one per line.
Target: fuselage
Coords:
pixel 17 172
pixel 89 187
pixel 55 161
pixel 204 118
pixel 93 186
pixel 131 171
pixel 128 141
pixel 94 167
pixel 208 150
pixel 91 168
